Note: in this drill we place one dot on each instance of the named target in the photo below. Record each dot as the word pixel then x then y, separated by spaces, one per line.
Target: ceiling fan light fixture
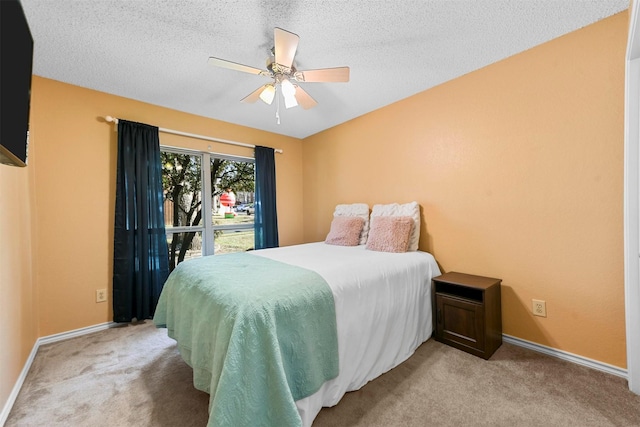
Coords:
pixel 289 93
pixel 290 101
pixel 268 94
pixel 288 89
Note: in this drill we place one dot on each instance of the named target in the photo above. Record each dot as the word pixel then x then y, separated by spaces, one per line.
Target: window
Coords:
pixel 208 203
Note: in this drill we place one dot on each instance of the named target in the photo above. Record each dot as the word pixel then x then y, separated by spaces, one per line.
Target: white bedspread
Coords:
pixel 383 310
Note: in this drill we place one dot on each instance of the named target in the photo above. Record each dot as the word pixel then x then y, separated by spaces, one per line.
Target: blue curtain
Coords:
pixel 140 253
pixel 266 218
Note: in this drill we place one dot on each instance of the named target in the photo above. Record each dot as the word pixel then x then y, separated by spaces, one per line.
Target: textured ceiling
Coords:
pixel 156 51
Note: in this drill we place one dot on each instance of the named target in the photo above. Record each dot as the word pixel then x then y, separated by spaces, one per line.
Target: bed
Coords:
pixel 379 312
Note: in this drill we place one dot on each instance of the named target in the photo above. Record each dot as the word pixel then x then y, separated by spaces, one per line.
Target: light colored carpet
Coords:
pixel 134 376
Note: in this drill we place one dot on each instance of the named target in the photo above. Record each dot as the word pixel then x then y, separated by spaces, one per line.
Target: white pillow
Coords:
pixel 411 209
pixel 356 209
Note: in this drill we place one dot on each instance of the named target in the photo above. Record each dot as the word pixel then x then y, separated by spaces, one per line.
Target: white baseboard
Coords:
pixel 42 341
pixel 75 333
pixel 564 355
pixel 16 388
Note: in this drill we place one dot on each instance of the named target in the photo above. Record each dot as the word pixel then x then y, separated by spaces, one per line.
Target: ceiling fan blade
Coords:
pixel 234 66
pixel 339 74
pixel 253 96
pixel 285 46
pixel 304 99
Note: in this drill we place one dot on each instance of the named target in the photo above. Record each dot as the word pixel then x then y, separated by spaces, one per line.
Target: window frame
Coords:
pixel 206 227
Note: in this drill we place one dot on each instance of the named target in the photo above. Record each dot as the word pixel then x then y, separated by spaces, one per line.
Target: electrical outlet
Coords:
pixel 539 308
pixel 101 295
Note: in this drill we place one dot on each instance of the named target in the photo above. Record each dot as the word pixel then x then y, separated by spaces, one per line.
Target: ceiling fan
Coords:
pixel 286 77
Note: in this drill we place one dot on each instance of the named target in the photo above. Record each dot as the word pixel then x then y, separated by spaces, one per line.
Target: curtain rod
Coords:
pixel 193 135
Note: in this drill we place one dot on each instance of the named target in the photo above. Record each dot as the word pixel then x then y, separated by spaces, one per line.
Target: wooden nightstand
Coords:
pixel 467 312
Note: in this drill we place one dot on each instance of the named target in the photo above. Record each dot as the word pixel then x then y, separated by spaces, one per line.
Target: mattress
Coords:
pixel 383 311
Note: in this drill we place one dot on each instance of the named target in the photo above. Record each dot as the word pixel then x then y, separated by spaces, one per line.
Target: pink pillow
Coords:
pixel 345 231
pixel 390 233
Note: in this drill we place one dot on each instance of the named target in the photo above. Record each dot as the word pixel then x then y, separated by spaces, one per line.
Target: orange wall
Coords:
pixel 75 191
pixel 18 321
pixel 519 170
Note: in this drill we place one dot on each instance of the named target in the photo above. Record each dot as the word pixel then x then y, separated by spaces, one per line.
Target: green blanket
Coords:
pixel 259 335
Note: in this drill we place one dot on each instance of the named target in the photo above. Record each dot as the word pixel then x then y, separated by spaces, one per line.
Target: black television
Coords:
pixel 16 58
